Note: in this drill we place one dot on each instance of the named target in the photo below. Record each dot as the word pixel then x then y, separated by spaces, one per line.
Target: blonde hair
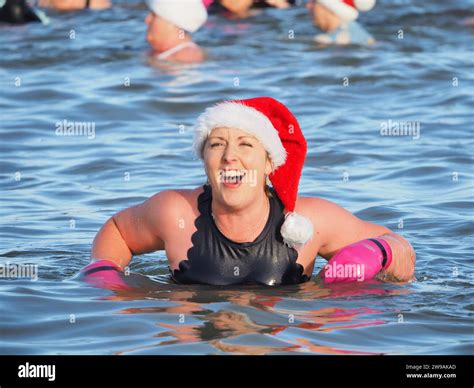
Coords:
pixel 267 186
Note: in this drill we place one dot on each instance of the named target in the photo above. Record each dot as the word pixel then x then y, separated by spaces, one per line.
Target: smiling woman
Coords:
pixel 237 229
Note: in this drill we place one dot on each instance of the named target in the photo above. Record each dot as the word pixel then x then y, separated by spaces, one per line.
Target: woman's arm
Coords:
pixel 136 230
pixel 109 245
pixel 338 229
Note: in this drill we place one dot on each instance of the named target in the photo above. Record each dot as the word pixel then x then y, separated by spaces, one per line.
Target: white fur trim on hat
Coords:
pixel 341 9
pixel 364 5
pixel 296 230
pixel 189 15
pixel 245 118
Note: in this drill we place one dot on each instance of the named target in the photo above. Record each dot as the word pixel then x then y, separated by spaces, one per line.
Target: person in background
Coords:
pixel 74 5
pixel 337 20
pixel 244 8
pixel 170 24
pixel 20 12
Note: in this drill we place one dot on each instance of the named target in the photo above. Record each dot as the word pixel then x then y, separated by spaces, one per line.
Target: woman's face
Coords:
pixel 158 31
pixel 237 6
pixel 236 164
pixel 323 18
pixel 153 30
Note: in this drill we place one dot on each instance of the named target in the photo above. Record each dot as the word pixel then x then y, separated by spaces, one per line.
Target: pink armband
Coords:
pixel 360 261
pixel 104 274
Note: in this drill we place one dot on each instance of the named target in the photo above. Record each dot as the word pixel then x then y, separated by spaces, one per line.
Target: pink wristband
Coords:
pixel 104 274
pixel 385 249
pixel 359 261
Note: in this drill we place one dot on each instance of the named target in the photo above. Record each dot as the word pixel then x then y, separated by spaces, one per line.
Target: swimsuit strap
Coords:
pixel 88 3
pixel 175 49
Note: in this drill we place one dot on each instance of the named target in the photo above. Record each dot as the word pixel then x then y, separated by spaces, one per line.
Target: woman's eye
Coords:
pixel 247 144
pixel 215 144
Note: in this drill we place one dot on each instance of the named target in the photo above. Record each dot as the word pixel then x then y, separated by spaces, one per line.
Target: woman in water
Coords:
pixel 169 28
pixel 74 5
pixel 337 19
pixel 236 229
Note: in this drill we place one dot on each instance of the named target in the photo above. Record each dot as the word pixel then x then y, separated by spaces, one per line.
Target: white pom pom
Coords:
pixel 364 5
pixel 296 230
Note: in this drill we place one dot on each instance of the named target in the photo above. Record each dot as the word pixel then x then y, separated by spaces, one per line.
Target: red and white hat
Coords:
pixel 347 10
pixel 279 132
pixel 188 15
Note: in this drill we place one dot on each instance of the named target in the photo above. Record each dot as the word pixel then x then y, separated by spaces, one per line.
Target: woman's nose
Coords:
pixel 229 153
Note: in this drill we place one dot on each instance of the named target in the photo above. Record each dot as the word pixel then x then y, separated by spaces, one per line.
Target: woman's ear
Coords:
pixel 268 166
pixel 148 18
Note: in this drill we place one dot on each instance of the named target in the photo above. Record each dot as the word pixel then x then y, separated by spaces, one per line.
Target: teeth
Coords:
pixel 232 174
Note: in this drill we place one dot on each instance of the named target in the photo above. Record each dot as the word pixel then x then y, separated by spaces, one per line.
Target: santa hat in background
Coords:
pixel 207 3
pixel 348 10
pixel 278 131
pixel 188 15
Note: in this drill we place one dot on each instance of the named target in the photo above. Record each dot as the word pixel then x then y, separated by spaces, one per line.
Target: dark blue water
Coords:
pixel 56 191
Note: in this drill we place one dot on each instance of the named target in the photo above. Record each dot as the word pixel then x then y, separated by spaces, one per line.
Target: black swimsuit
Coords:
pixel 17 12
pixel 214 259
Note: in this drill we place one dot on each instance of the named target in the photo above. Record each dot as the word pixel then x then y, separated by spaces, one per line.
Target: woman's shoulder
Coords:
pixel 317 209
pixel 172 201
pixel 309 204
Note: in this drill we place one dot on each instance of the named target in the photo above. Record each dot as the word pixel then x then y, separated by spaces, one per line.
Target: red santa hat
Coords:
pixel 347 10
pixel 188 15
pixel 279 132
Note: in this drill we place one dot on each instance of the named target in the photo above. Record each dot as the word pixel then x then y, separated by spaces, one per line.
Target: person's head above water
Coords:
pixel 169 24
pixel 161 34
pixel 188 15
pixel 75 5
pixel 347 10
pixel 18 12
pixel 243 141
pixel 329 14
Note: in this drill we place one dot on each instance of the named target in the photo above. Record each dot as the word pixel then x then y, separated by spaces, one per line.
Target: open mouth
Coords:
pixel 232 177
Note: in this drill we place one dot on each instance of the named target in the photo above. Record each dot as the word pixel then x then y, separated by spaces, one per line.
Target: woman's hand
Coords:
pixel 360 261
pixel 343 240
pixel 324 19
pixel 389 255
pixel 104 274
pixel 108 275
